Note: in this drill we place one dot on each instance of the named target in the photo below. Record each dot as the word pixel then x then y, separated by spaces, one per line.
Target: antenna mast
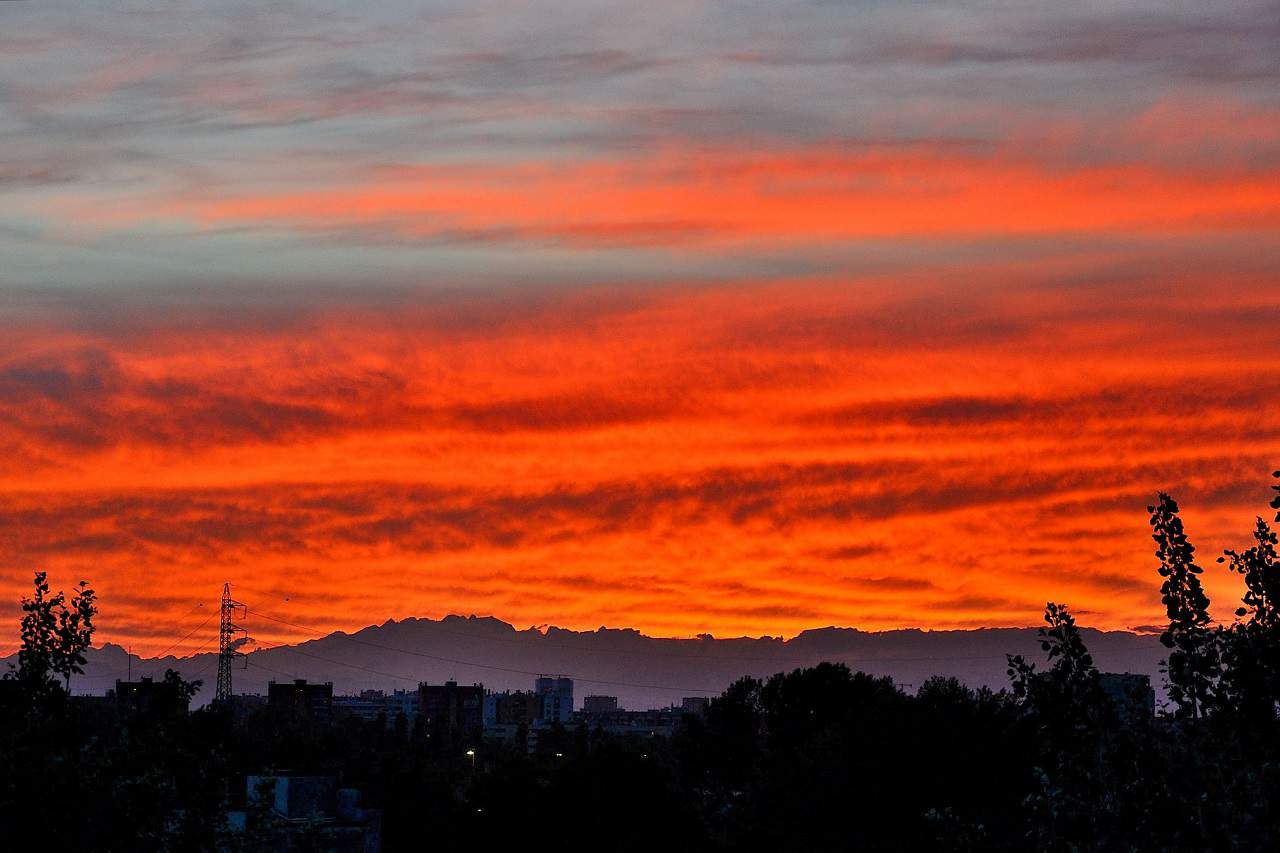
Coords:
pixel 227 643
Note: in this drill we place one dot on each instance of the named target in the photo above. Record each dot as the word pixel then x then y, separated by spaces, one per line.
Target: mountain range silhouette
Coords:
pixel 642 671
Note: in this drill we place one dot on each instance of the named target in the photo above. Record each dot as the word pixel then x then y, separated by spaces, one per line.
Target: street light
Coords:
pixel 471 753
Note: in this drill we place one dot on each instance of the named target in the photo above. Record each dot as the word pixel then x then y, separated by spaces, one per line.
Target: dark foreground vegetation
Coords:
pixel 815 759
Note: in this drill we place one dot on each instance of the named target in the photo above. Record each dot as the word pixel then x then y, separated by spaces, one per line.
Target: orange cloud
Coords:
pixel 805 196
pixel 744 459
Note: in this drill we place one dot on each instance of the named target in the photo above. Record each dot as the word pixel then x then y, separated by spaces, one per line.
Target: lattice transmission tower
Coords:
pixel 228 642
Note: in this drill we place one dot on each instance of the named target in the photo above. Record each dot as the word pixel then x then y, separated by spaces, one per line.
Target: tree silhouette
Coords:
pixel 1275 502
pixel 75 632
pixel 54 635
pixel 1193 664
pixel 182 689
pixel 1250 682
pixel 1261 577
pixel 1065 701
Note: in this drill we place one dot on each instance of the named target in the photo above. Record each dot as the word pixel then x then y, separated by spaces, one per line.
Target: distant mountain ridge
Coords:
pixel 641 671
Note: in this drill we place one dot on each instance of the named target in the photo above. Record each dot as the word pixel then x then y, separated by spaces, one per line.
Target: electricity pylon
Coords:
pixel 227 643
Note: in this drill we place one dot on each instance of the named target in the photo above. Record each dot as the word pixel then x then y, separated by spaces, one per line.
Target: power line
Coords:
pixel 193 609
pixel 168 649
pixel 254 663
pixel 297 651
pixel 176 643
pixel 202 670
pixel 199 650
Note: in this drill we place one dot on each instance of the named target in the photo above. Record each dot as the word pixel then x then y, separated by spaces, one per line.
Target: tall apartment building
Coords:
pixel 452 708
pixel 557 698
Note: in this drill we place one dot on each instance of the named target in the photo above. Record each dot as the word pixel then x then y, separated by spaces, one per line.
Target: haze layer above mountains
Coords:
pixel 641 671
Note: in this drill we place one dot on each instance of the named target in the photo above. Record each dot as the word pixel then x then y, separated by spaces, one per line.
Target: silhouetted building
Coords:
pixel 371 704
pixel 1132 695
pixel 301 699
pixel 403 702
pixel 314 809
pixel 245 705
pixel 512 708
pixel 151 699
pixel 105 704
pixel 452 708
pixel 557 698
pixel 694 704
pixel 661 722
pixel 599 704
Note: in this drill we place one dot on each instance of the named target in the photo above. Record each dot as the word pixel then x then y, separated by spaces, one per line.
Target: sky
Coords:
pixel 734 317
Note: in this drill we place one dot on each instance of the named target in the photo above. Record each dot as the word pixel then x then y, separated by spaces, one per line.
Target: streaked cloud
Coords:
pixel 689 458
pixel 729 317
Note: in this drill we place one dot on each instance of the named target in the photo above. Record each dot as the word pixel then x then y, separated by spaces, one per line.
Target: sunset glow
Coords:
pixel 718 339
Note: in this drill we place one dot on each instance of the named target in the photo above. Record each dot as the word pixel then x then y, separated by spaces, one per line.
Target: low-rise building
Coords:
pixel 1131 694
pixel 660 722
pixel 369 705
pixel 311 809
pixel 301 699
pixel 512 707
pixel 245 705
pixel 151 699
